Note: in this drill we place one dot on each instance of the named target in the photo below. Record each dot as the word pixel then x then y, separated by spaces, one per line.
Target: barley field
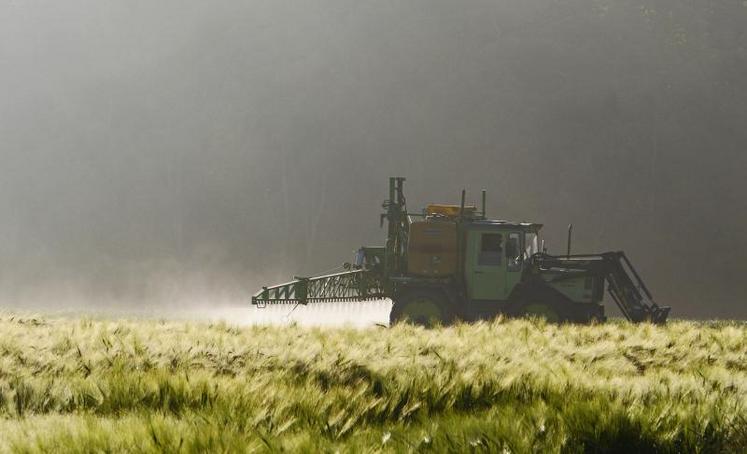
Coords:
pixel 97 385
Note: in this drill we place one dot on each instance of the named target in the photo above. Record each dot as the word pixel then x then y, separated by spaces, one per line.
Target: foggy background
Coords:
pixel 183 153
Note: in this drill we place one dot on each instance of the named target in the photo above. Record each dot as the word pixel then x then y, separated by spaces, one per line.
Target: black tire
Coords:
pixel 539 301
pixel 545 310
pixel 422 307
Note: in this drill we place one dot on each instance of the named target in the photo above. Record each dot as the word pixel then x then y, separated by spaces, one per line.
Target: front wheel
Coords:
pixel 541 310
pixel 537 300
pixel 422 307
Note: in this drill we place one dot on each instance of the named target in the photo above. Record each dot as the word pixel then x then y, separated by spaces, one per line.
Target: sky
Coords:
pixel 173 153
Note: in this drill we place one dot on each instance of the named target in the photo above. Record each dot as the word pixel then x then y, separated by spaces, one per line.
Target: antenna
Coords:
pixel 484 196
pixel 461 207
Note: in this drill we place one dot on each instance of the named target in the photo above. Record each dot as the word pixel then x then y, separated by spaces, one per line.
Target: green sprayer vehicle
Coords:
pixel 450 262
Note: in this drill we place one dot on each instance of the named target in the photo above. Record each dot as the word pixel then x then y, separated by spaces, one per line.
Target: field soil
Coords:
pixel 97 385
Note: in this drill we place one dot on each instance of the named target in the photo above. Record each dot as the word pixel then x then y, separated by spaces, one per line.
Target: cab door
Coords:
pixel 485 266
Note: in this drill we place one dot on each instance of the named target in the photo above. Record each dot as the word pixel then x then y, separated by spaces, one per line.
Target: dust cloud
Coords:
pixel 174 156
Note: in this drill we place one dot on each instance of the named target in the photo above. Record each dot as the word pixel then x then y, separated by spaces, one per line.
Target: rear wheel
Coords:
pixel 422 307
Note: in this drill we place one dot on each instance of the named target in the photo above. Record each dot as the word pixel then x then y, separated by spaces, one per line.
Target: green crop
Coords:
pixel 84 385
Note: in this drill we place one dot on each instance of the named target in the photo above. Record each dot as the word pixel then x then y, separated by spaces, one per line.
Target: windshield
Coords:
pixel 530 241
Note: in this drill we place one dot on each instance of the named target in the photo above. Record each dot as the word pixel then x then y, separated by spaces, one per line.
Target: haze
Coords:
pixel 161 154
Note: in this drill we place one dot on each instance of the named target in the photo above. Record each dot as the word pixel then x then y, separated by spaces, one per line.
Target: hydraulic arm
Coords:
pixel 624 284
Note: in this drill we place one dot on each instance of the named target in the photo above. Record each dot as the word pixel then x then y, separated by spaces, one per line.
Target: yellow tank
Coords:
pixel 451 211
pixel 432 248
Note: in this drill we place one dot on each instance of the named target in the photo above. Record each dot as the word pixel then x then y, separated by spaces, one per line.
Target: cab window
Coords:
pixel 513 251
pixel 531 245
pixel 491 249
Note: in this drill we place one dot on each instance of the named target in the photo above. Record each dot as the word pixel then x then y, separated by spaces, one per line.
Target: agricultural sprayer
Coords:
pixel 451 262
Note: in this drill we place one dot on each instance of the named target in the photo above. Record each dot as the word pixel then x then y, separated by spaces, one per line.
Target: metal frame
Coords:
pixel 355 285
